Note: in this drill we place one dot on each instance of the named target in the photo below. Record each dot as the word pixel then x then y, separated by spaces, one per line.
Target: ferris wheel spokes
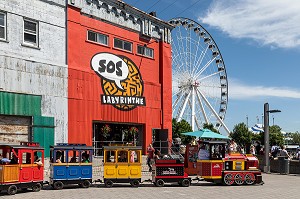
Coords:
pixel 199 61
pixel 204 68
pixel 213 111
pixel 202 108
pixel 213 74
pixel 183 107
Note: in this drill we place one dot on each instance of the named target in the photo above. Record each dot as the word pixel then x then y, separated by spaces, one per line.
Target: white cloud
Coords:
pixel 239 90
pixel 269 22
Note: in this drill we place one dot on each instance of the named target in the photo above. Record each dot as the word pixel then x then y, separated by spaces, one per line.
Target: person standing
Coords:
pixel 284 152
pixel 150 151
pixel 298 154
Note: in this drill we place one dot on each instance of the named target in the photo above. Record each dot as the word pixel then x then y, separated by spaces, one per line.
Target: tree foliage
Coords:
pixel 181 127
pixel 210 127
pixel 296 138
pixel 241 135
pixel 275 136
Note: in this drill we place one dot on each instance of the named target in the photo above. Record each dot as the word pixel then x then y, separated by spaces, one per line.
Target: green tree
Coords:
pixel 210 127
pixel 241 135
pixel 181 127
pixel 296 137
pixel 275 136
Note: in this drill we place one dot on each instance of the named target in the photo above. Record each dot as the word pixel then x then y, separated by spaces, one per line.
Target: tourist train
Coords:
pixel 22 166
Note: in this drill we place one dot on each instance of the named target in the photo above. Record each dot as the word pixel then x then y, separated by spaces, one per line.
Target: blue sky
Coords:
pixel 260 44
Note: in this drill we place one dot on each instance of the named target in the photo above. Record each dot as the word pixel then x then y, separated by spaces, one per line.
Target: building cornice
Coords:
pixel 121 14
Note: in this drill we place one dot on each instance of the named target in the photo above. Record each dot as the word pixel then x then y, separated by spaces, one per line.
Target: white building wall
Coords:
pixel 39 71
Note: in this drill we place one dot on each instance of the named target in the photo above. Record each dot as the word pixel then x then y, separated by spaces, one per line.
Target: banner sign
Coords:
pixel 121 81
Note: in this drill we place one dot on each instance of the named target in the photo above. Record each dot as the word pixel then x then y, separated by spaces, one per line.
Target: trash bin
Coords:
pixel 284 165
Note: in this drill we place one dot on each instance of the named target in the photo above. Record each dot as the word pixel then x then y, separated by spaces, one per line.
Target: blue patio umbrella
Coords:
pixel 206 133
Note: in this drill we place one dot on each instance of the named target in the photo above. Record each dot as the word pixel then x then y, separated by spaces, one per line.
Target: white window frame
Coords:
pixel 145 51
pixel 27 32
pixel 97 34
pixel 123 42
pixel 5 26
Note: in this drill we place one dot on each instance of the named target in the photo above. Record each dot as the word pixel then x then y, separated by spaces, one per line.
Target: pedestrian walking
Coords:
pixel 150 151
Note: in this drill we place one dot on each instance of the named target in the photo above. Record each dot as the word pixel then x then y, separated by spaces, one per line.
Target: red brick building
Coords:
pixel 120 74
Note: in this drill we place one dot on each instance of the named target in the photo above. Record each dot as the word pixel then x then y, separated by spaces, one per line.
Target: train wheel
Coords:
pixel 85 184
pixel 228 179
pixel 58 185
pixel 135 183
pixel 238 179
pixel 249 178
pixel 160 183
pixel 185 183
pixel 37 187
pixel 108 183
pixel 12 190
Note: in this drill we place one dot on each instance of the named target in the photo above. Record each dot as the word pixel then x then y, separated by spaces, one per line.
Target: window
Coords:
pixel 26 158
pixel 97 37
pixel 73 156
pixel 148 52
pixel 125 45
pixel 2 26
pixel 31 32
pixel 135 156
pixel 122 156
pixel 109 156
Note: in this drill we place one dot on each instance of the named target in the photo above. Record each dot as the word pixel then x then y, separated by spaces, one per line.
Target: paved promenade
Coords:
pixel 276 186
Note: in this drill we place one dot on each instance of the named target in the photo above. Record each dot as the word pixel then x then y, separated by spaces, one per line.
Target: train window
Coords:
pixel 122 156
pixel 60 157
pixel 85 157
pixel 38 155
pixel 14 158
pixel 73 156
pixel 135 156
pixel 109 156
pixel 216 152
pixel 26 158
pixel 203 153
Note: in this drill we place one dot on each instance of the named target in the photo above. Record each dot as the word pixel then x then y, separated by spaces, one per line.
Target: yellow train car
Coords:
pixel 122 164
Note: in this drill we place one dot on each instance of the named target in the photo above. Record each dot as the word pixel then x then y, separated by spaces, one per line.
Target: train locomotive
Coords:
pixel 210 163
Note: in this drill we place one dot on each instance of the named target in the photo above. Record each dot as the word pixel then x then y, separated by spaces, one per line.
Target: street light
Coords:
pixel 266 134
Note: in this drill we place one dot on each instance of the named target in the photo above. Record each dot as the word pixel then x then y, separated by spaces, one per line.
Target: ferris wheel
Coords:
pixel 200 86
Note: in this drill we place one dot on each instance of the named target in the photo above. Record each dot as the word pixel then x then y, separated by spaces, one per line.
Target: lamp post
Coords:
pixel 266 135
pixel 247 120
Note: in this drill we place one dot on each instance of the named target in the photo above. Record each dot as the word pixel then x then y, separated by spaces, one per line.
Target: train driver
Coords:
pixel 203 154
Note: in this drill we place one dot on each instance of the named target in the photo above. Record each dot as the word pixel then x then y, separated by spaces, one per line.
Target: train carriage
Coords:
pixel 122 164
pixel 22 167
pixel 70 164
pixel 169 171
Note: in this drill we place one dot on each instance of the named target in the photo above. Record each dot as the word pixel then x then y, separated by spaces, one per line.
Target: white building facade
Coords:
pixel 33 71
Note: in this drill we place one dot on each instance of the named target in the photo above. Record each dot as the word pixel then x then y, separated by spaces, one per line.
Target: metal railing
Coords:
pixel 169 150
pixel 98 146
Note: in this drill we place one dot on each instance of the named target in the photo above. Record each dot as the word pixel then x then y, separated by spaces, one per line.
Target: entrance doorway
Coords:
pixel 105 134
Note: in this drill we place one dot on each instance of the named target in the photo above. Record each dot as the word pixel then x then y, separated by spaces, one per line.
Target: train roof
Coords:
pixel 18 146
pixel 65 146
pixel 122 147
pixel 213 142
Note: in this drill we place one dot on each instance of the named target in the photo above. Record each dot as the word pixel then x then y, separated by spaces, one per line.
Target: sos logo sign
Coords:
pixel 121 81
